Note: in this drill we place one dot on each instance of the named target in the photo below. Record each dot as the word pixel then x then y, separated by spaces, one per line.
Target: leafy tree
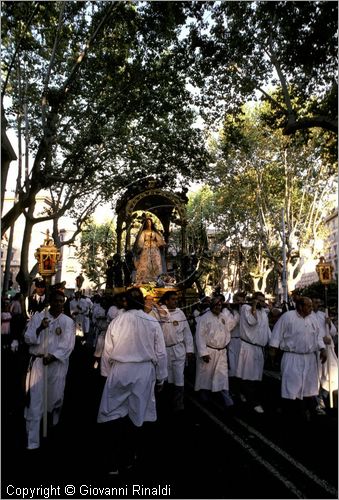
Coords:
pixel 200 216
pixel 104 98
pixel 104 90
pixel 317 289
pixel 122 107
pixel 255 175
pixel 239 48
pixel 97 245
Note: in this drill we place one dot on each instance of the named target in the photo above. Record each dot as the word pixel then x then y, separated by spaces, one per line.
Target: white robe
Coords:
pixel 255 334
pixel 178 341
pixel 234 347
pixel 100 325
pixel 61 347
pixel 328 371
pixel 300 339
pixel 106 347
pixel 214 331
pixel 80 312
pixel 112 313
pixel 136 351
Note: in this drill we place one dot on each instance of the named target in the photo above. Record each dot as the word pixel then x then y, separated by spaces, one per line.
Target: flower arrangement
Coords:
pixel 165 280
pixel 148 288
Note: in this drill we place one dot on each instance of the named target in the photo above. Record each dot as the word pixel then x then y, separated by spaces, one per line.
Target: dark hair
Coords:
pixel 301 301
pixel 38 282
pixel 167 295
pixel 58 286
pixel 55 293
pixel 153 226
pixel 216 300
pixel 134 299
pixel 118 299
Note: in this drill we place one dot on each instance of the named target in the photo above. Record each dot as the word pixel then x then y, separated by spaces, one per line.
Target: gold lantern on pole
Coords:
pixel 47 256
pixel 324 271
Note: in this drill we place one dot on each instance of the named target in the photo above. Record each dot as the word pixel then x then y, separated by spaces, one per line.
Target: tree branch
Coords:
pixel 76 66
pixel 313 121
pixel 48 74
pixel 17 49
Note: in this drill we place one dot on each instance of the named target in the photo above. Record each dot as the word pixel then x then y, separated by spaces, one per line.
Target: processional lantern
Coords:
pixel 324 271
pixel 47 256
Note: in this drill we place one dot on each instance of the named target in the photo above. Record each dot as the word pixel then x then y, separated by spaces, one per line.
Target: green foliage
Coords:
pixel 98 243
pixel 255 174
pixel 247 47
pixel 199 216
pixel 318 290
pixel 119 112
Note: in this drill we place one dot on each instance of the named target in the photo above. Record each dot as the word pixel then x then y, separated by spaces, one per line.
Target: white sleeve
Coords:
pixel 232 320
pixel 160 351
pixel 277 332
pixel 333 330
pixel 188 338
pixel 31 338
pixel 105 365
pixel 200 338
pixel 247 313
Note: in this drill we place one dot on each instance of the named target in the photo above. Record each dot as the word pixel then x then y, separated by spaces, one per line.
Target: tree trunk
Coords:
pixel 256 283
pixel 291 279
pixel 23 277
pixel 14 213
pixel 264 280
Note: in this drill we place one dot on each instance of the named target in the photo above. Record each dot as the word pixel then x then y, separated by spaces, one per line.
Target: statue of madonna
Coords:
pixel 148 246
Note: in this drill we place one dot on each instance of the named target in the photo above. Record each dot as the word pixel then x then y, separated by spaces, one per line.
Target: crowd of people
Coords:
pixel 142 346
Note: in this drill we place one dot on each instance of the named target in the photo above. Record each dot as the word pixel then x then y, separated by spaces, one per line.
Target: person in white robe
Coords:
pixel 100 325
pixel 298 335
pixel 234 345
pixel 119 301
pixel 154 309
pixel 104 346
pixel 51 337
pixel 254 334
pixel 179 346
pixel 79 308
pixel 136 350
pixel 328 372
pixel 212 338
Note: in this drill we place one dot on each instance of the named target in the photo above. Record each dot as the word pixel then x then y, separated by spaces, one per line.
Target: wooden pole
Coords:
pixel 45 368
pixel 328 347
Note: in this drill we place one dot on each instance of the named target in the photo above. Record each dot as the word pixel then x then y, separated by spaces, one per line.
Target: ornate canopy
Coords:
pixel 150 196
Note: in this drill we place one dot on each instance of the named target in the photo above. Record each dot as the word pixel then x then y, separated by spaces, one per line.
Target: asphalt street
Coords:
pixel 203 452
